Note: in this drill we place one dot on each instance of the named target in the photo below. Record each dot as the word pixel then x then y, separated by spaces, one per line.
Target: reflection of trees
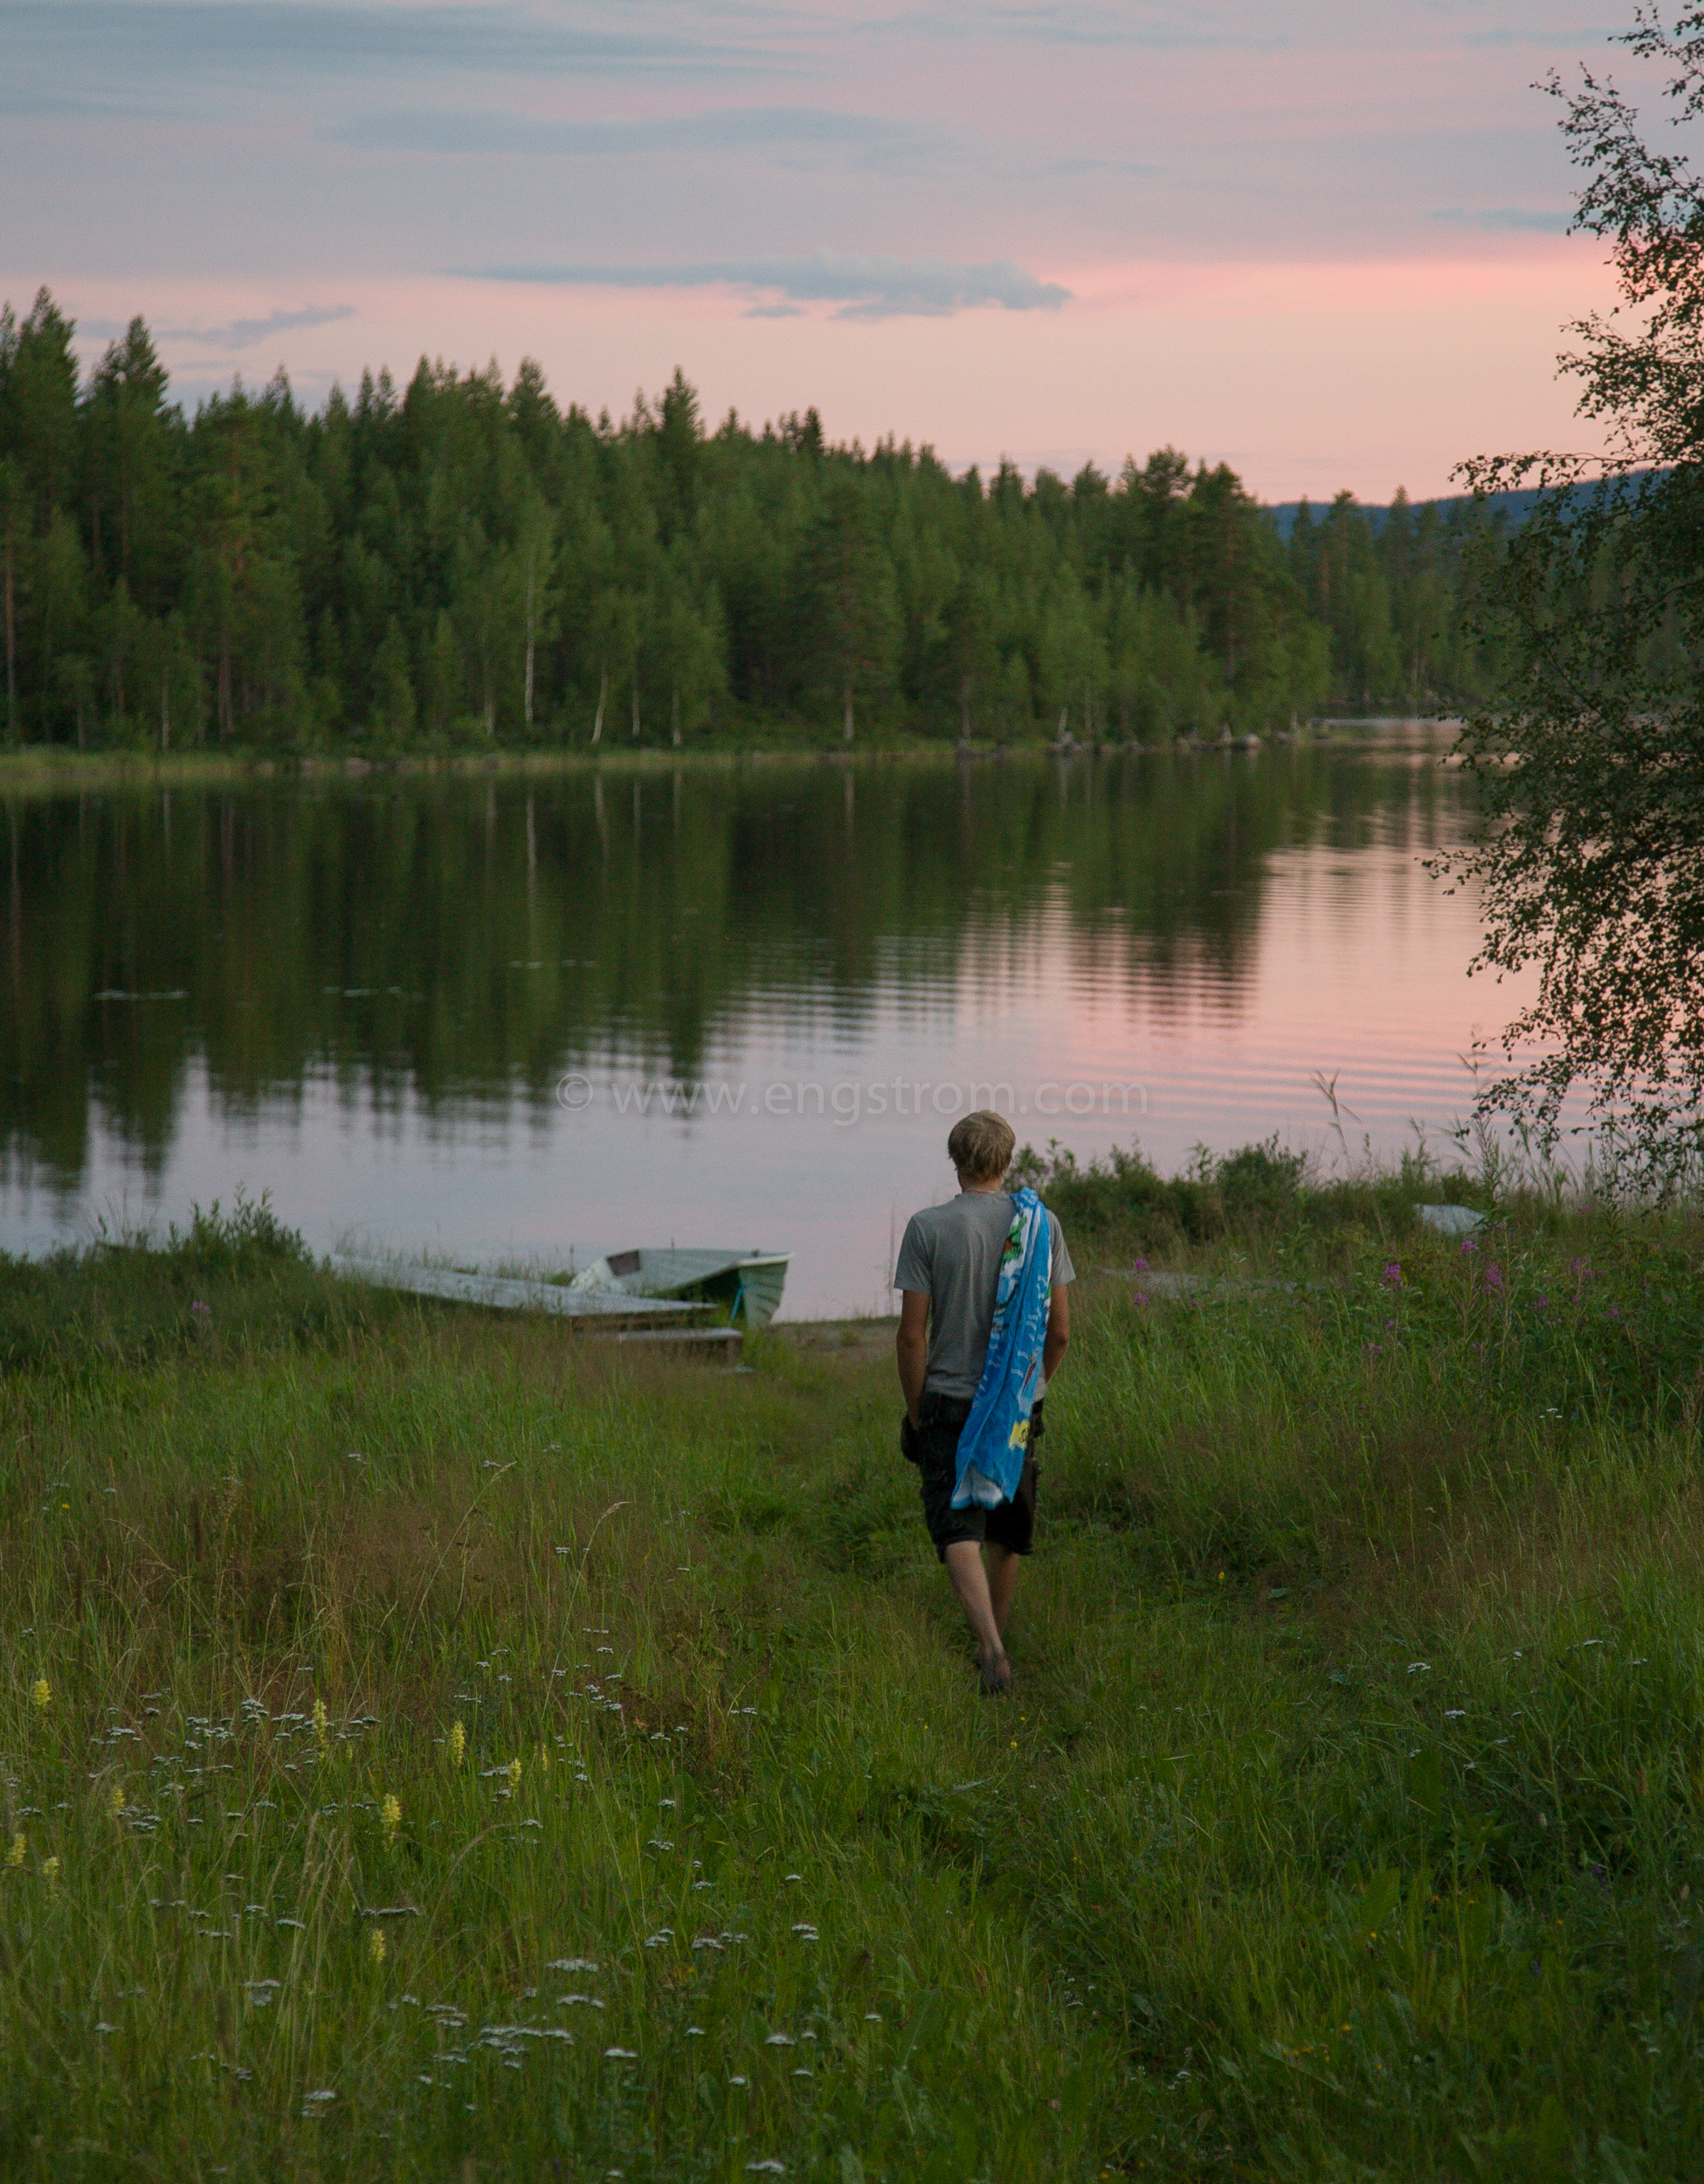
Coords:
pixel 459 939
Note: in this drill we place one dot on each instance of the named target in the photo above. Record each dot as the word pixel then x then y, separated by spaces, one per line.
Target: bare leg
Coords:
pixel 964 1567
pixel 1001 1578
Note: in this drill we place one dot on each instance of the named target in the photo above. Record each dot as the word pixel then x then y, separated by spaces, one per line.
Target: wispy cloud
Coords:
pixel 872 288
pixel 250 333
pixel 1504 219
pixel 1074 166
pixel 70 48
pixel 862 139
pixel 1079 23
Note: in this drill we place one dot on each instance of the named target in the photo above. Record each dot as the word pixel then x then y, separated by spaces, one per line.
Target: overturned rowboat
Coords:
pixel 746 1284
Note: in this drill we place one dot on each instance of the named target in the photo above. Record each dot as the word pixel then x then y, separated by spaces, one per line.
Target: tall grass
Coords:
pixel 438 1747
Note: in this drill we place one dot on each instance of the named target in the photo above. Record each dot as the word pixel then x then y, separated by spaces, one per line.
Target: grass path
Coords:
pixel 440 1748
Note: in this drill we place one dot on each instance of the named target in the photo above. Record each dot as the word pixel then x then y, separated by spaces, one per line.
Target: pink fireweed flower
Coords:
pixel 1493 1276
pixel 1467 1245
pixel 1392 1277
pixel 1141 1267
pixel 1139 1298
pixel 198 1306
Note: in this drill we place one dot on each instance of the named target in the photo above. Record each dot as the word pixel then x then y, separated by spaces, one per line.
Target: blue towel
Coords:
pixel 996 1437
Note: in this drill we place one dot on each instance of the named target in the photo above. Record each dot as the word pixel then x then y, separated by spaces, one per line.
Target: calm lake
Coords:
pixel 503 1019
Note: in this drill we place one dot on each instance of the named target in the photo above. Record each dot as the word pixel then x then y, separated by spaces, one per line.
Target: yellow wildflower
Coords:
pixel 458 1742
pixel 544 1755
pixel 117 1799
pixel 376 1944
pixel 514 1776
pixel 14 1850
pixel 42 1692
pixel 50 1868
pixel 319 1720
pixel 391 1817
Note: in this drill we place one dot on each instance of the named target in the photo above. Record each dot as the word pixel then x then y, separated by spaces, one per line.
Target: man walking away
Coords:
pixel 984 1319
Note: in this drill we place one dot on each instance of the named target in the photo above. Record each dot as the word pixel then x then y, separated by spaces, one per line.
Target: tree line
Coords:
pixel 464 560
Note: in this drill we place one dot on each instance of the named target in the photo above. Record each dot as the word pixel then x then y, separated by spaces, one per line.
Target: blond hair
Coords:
pixel 980 1144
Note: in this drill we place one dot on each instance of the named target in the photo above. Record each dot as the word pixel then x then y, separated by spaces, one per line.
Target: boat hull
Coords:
pixel 747 1285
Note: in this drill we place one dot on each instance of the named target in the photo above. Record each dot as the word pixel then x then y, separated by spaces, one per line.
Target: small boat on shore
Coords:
pixel 451 1285
pixel 747 1284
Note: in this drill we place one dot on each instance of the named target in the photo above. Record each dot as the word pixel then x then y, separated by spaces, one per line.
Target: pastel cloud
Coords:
pixel 1506 219
pixel 236 336
pixel 145 43
pixel 865 288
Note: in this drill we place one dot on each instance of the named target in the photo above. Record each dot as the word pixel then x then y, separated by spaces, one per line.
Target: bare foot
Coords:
pixel 995 1674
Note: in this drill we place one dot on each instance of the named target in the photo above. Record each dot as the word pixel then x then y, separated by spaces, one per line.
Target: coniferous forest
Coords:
pixel 462 560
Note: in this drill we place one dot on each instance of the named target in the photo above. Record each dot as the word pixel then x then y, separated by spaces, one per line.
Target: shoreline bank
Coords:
pixel 37 768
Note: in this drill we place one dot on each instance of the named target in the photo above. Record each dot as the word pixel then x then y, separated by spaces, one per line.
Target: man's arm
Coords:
pixel 1059 1331
pixel 912 1347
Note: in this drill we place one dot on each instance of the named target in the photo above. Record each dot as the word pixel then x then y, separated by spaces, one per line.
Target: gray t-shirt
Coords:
pixel 951 1255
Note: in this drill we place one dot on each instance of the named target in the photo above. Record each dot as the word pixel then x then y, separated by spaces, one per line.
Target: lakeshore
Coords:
pixel 32 769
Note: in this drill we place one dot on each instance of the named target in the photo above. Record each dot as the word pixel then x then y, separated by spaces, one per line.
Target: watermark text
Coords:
pixel 847 1102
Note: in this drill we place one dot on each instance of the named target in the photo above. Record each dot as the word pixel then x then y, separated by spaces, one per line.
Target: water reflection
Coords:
pixel 407 953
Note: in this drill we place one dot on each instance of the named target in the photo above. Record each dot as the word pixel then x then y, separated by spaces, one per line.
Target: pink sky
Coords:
pixel 1320 239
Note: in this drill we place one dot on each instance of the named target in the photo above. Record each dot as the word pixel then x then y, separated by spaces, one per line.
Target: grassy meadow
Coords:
pixel 434 1746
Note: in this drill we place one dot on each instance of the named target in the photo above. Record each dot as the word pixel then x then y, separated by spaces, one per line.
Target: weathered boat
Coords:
pixel 499 1293
pixel 746 1284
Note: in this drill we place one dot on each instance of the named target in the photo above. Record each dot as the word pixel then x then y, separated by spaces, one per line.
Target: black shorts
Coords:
pixel 933 1447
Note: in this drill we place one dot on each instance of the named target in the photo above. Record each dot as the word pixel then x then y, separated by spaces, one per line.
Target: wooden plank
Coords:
pixel 703 1337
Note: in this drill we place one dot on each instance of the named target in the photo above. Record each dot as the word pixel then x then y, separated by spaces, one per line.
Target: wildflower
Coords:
pixel 1493 1276
pixel 1141 1265
pixel 391 1817
pixel 42 1692
pixel 321 1720
pixel 1392 1277
pixel 117 1803
pixel 50 1868
pixel 1540 1301
pixel 376 1944
pixel 1467 1245
pixel 1139 1298
pixel 544 1755
pixel 14 1850
pixel 198 1306
pixel 514 1776
pixel 458 1742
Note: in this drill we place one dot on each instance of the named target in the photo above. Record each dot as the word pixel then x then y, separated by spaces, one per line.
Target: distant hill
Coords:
pixel 1513 507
